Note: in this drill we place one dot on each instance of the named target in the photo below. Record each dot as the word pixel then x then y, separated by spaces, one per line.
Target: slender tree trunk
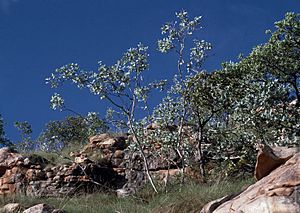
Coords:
pixel 180 141
pixel 200 152
pixel 143 156
pixel 148 172
pixel 166 179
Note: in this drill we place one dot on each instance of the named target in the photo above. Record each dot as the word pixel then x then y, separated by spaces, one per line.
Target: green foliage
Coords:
pixel 175 39
pixel 168 116
pixel 268 107
pixel 121 84
pixel 174 110
pixel 279 58
pixel 3 140
pixel 177 32
pixel 25 130
pixel 70 131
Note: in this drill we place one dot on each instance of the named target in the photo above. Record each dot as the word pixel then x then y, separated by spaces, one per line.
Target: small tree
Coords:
pixel 170 133
pixel 70 131
pixel 3 140
pixel 277 62
pixel 188 64
pixel 121 84
pixel 25 130
pixel 278 59
pixel 208 106
pixel 269 79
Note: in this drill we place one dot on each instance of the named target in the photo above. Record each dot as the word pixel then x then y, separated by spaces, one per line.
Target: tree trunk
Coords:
pixel 200 153
pixel 143 156
pixel 181 151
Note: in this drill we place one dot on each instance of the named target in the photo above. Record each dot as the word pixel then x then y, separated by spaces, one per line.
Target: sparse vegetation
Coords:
pixel 3 140
pixel 189 198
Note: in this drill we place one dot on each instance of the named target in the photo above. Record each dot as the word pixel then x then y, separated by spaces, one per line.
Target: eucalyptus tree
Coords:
pixel 175 39
pixel 271 78
pixel 121 84
pixel 207 106
pixel 278 59
pixel 255 100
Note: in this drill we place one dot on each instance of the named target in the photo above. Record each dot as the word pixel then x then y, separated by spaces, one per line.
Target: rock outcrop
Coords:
pixel 32 176
pixel 101 165
pixel 278 191
pixel 269 158
pixel 108 150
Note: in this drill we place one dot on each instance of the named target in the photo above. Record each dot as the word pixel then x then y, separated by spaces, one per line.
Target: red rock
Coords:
pixel 8 172
pixel 82 160
pixel 106 151
pixel 49 174
pixel 58 178
pixel 277 192
pixel 15 170
pixel 269 158
pixel 164 174
pixel 99 138
pixel 30 174
pixel 107 143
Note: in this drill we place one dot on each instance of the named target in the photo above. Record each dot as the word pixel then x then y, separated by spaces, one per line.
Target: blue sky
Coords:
pixel 37 36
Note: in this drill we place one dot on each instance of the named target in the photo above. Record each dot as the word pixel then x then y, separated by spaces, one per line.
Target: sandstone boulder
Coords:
pixel 106 141
pixel 269 158
pixel 99 138
pixel 278 192
pixel 82 160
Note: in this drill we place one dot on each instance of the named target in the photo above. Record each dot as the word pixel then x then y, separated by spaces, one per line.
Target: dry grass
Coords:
pixel 185 199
